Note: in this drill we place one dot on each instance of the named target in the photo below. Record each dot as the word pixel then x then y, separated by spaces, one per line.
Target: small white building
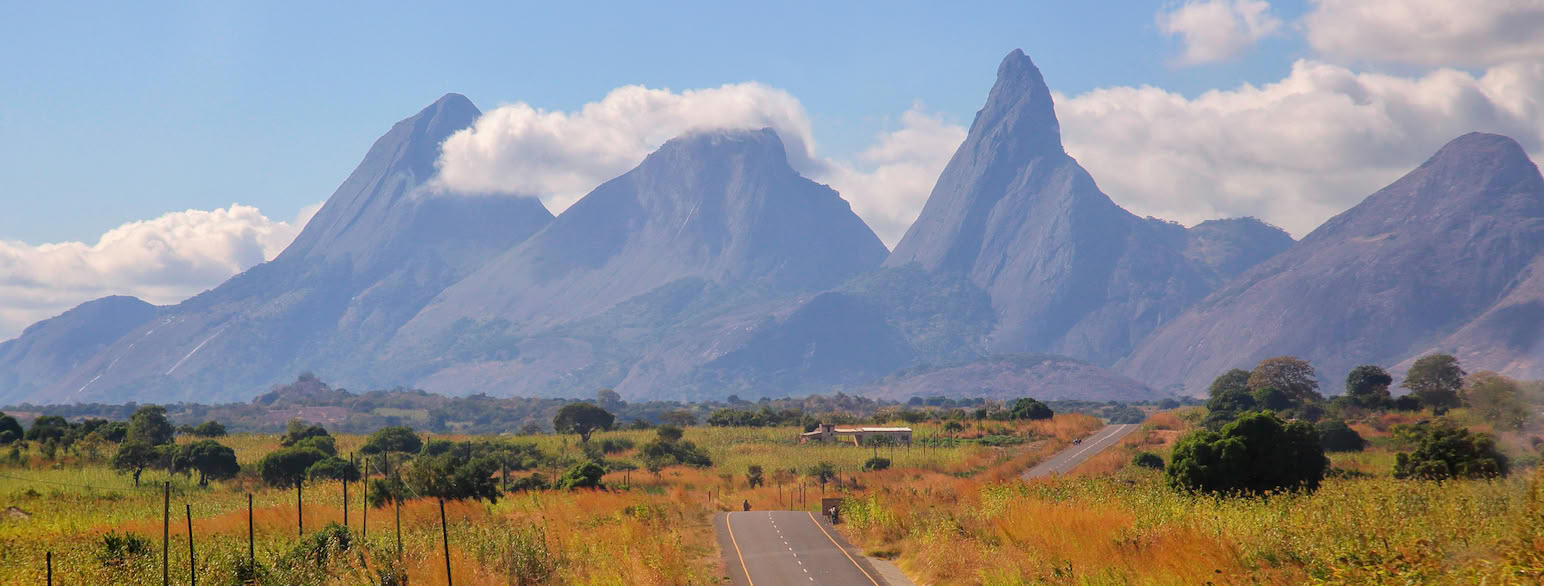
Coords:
pixel 831 433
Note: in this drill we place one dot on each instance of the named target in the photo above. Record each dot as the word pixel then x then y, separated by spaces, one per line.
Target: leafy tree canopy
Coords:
pixel 10 429
pixel 1368 386
pixel 135 456
pixel 1336 436
pixel 1289 374
pixel 1446 451
pixel 49 428
pixel 1254 454
pixel 149 425
pixel 1147 460
pixel 1027 408
pixel 1497 399
pixel 1435 379
pixel 288 466
pixel 210 429
pixel 297 431
pixel 212 460
pixel 333 468
pixel 455 474
pixel 586 474
pixel 582 419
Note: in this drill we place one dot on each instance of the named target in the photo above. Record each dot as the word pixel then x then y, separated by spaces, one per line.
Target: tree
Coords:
pixel 1233 380
pixel 288 466
pixel 1445 451
pixel 1336 436
pixel 1273 399
pixel 753 476
pixel 212 460
pixel 115 431
pixel 876 463
pixel 209 429
pixel 1147 460
pixel 297 431
pixel 1368 386
pixel 669 433
pixel 135 456
pixel 1435 379
pixel 1027 408
pixel 10 430
pixel 679 418
pixel 954 427
pixel 149 425
pixel 609 400
pixel 333 468
pixel 1289 374
pixel 1254 454
pixel 321 443
pixel 458 473
pixel 394 438
pixel 49 428
pixel 823 472
pixel 582 419
pixel 1496 399
pixel 585 474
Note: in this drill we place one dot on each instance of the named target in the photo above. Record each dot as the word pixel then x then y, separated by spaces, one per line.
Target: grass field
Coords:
pixel 655 531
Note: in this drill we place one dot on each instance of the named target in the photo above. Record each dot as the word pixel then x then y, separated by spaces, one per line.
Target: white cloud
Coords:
pixel 560 156
pixel 163 260
pixel 1428 32
pixel 1218 30
pixel 1293 152
pixel 892 179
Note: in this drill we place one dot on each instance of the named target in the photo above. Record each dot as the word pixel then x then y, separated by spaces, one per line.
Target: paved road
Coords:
pixel 1075 454
pixel 772 548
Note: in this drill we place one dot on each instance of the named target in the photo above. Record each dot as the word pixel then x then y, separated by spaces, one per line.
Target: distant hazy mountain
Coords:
pixel 53 347
pixel 1068 271
pixel 378 250
pixel 1408 269
pixel 706 225
pixel 1008 377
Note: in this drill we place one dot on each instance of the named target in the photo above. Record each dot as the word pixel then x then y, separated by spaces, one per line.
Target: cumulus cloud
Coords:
pixel 891 180
pixel 163 260
pixel 1293 152
pixel 559 156
pixel 1218 30
pixel 1428 32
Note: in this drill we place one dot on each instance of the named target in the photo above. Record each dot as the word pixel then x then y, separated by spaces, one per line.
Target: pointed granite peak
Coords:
pixel 1480 153
pixel 1019 113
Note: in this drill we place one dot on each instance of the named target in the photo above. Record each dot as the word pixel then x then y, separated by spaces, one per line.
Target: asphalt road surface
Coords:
pixel 772 548
pixel 1075 454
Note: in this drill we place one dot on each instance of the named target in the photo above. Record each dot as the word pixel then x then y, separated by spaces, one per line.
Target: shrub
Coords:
pixel 333 468
pixel 115 549
pixel 1336 436
pixel 287 466
pixel 753 476
pixel 297 431
pixel 210 429
pixel 876 464
pixel 1147 460
pixel 583 475
pixel 1254 454
pixel 394 438
pixel 533 482
pixel 1027 408
pixel 1444 451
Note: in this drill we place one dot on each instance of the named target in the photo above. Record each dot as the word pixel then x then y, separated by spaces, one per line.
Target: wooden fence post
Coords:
pixel 364 508
pixel 345 490
pixel 300 509
pixel 445 538
pixel 48 559
pixel 398 499
pixel 251 549
pixel 192 566
pixel 166 532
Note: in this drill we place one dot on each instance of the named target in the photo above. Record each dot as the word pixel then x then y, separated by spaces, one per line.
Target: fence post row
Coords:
pixel 166 532
pixel 192 566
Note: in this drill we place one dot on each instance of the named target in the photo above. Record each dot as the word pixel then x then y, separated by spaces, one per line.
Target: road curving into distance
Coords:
pixel 1069 458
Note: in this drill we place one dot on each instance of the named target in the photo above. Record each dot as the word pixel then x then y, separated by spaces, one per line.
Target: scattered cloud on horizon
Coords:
pixel 1427 32
pixel 162 260
pixel 1293 152
pixel 1217 30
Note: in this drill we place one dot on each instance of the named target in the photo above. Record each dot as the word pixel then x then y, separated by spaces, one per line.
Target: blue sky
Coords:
pixel 156 150
pixel 123 111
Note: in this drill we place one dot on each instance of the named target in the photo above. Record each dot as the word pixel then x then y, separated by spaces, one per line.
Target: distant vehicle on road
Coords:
pixel 1077 441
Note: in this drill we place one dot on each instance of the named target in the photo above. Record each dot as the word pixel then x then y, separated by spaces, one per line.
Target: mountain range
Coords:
pixel 713 268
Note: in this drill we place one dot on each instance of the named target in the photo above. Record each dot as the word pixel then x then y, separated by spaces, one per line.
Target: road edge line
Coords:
pixel 730 528
pixel 833 542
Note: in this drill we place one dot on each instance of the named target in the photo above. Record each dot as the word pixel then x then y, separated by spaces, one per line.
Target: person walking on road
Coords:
pixel 747 504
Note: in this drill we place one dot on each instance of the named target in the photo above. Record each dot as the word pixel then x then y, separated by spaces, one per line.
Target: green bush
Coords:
pixel 876 464
pixel 115 549
pixel 1445 451
pixel 583 475
pixel 1147 460
pixel 1255 454
pixel 1336 436
pixel 333 468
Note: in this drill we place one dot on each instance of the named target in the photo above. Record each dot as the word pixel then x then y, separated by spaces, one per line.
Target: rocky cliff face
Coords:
pixel 1069 272
pixel 1409 266
pixel 379 249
